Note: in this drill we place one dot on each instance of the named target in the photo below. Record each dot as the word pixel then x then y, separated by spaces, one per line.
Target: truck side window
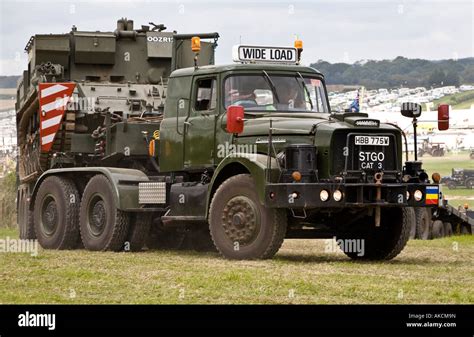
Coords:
pixel 206 95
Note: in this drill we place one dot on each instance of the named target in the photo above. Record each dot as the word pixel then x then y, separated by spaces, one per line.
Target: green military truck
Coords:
pixel 135 137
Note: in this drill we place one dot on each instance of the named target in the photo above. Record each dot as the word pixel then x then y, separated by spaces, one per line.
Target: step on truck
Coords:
pixel 134 138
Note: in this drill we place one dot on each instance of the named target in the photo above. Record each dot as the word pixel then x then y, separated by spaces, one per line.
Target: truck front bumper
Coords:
pixel 308 195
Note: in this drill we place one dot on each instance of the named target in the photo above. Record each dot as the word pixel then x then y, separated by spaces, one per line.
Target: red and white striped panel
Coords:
pixel 53 98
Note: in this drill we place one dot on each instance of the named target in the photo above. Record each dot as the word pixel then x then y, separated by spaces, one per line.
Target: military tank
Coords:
pixel 83 89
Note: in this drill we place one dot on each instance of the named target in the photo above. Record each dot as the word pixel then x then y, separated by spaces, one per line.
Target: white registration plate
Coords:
pixel 372 140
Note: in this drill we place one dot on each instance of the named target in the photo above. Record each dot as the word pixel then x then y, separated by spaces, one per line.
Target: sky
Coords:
pixel 332 30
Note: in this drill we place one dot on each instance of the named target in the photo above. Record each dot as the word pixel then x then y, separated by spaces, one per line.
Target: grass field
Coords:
pixel 461 100
pixel 438 271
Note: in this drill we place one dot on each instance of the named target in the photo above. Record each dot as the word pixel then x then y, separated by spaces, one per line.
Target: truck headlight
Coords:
pixel 337 195
pixel 418 195
pixel 324 195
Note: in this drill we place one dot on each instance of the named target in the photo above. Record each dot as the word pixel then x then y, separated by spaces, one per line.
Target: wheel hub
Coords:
pixel 49 216
pixel 240 220
pixel 97 216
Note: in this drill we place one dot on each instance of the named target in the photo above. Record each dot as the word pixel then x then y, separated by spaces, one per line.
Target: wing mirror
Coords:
pixel 235 119
pixel 411 110
pixel 443 117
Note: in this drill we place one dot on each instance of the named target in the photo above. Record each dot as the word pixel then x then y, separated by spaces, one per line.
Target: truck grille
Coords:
pixel 352 162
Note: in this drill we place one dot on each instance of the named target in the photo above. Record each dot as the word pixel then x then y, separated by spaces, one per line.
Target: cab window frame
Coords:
pixel 214 89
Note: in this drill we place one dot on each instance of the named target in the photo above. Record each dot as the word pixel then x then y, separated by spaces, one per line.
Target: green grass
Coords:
pixel 461 100
pixel 425 272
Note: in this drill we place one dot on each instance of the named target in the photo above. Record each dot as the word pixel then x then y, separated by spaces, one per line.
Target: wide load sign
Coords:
pixel 264 54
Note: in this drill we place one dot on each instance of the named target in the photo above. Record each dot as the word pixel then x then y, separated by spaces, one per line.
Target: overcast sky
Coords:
pixel 336 31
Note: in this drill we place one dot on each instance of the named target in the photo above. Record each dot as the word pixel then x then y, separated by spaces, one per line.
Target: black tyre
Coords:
pixel 162 238
pixel 413 223
pixel 448 229
pixel 26 225
pixel 451 185
pixel 102 225
pixel 465 229
pixel 423 223
pixel 379 243
pixel 240 226
pixel 470 183
pixel 438 229
pixel 137 234
pixel 56 213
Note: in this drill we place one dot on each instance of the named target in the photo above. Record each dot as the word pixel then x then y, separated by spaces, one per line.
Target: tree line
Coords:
pixel 399 72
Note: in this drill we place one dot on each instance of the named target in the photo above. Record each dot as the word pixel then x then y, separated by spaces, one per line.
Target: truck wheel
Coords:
pixel 55 213
pixel 240 226
pixel 379 243
pixel 451 185
pixel 438 229
pixel 448 229
pixel 470 183
pixel 26 225
pixel 413 224
pixel 163 238
pixel 423 223
pixel 138 232
pixel 103 226
pixel 465 229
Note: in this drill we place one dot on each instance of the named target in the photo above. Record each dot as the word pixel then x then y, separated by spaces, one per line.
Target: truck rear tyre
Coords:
pixel 103 226
pixel 139 228
pixel 56 213
pixel 423 223
pixel 380 243
pixel 26 225
pixel 242 228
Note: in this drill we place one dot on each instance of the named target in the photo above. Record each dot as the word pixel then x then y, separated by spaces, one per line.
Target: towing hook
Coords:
pixel 378 181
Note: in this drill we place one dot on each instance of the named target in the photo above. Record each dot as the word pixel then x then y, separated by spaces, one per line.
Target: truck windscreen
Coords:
pixel 292 93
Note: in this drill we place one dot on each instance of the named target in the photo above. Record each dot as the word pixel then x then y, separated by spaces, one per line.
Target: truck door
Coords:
pixel 199 131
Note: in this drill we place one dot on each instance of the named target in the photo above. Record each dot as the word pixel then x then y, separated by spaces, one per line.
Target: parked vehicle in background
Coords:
pixel 459 178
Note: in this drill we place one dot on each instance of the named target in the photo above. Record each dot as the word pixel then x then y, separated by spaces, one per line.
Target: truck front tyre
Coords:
pixel 103 227
pixel 242 228
pixel 56 211
pixel 379 243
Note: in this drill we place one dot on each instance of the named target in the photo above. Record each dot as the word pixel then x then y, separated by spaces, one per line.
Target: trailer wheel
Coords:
pixel 379 243
pixel 448 229
pixel 103 226
pixel 240 226
pixel 438 229
pixel 139 228
pixel 423 223
pixel 465 229
pixel 56 213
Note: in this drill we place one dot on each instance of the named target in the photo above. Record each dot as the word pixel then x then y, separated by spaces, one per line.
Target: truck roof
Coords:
pixel 212 69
